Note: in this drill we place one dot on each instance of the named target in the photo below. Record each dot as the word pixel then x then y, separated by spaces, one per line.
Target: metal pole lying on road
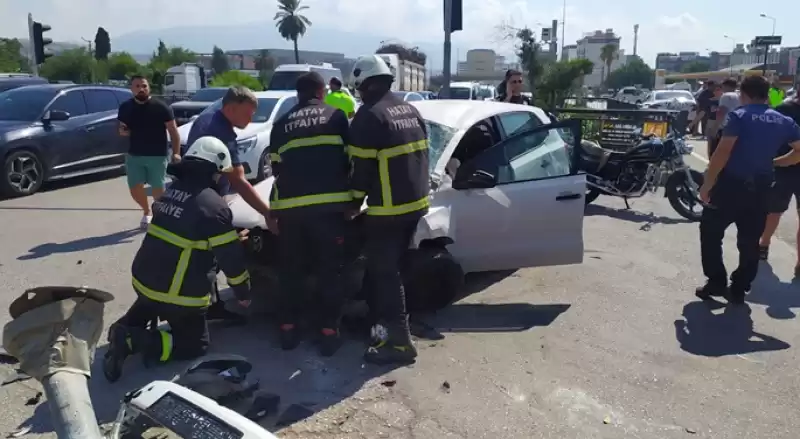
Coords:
pixel 53 334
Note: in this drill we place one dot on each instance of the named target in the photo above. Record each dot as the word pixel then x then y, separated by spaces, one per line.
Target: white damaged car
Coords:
pixel 505 194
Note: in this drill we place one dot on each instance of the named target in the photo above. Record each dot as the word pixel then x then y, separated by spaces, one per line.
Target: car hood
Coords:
pixel 250 131
pixel 7 126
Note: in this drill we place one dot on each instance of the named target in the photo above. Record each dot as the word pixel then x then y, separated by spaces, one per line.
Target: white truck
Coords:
pixel 184 79
pixel 409 76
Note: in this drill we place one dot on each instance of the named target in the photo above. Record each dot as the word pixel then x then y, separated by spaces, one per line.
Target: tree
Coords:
pixel 121 66
pixel 102 44
pixel 265 64
pixel 76 65
pixel 11 58
pixel 412 54
pixel 163 58
pixel 608 54
pixel 529 54
pixel 696 67
pixel 219 61
pixel 561 78
pixel 235 77
pixel 290 23
pixel 635 72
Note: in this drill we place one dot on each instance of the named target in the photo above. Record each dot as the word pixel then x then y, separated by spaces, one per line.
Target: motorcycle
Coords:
pixel 653 163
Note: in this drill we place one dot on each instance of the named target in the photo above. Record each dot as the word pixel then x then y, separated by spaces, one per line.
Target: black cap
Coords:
pixel 309 82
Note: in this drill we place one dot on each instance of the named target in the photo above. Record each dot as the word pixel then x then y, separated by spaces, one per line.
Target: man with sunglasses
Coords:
pixel 511 89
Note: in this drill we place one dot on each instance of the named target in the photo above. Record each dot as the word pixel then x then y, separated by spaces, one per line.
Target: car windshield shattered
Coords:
pixel 439 137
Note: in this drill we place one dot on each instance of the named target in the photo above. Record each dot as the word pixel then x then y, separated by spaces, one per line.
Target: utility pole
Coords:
pixel 563 28
pixel 91 73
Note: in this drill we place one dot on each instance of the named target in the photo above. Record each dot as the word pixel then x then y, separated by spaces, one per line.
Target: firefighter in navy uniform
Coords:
pixel 310 199
pixel 389 155
pixel 191 227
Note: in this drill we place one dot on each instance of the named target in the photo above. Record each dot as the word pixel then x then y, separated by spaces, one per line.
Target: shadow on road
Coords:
pixel 305 382
pixel 82 244
pixel 711 329
pixel 779 297
pixel 647 220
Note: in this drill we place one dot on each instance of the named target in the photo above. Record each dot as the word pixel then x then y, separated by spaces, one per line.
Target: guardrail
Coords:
pixel 617 129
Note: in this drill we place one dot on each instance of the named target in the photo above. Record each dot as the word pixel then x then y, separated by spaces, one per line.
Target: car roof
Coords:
pixel 275 94
pixel 462 114
pixel 59 87
pixel 463 84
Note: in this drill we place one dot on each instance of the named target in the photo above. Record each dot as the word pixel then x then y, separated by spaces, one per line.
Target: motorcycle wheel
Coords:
pixel 682 198
pixel 591 195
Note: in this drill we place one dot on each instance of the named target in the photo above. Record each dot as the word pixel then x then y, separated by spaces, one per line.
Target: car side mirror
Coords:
pixel 477 180
pixel 55 116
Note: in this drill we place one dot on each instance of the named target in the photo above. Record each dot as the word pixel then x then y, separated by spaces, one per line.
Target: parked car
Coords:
pixel 506 194
pixel 679 100
pixel 428 95
pixel 10 81
pixel 254 139
pixel 185 110
pixel 57 131
pixel 409 96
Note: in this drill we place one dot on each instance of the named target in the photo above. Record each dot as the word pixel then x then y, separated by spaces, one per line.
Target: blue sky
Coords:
pixel 683 25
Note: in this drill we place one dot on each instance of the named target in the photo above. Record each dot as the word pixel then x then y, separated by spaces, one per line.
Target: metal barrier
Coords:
pixel 617 129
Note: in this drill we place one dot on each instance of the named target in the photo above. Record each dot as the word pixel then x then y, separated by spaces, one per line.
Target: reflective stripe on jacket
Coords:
pixel 309 160
pixel 389 155
pixel 191 228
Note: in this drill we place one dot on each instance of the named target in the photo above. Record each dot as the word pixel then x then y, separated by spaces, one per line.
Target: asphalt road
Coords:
pixel 617 347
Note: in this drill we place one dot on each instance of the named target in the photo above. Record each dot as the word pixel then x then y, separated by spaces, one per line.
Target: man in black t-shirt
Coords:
pixel 787 185
pixel 512 92
pixel 146 121
pixel 704 99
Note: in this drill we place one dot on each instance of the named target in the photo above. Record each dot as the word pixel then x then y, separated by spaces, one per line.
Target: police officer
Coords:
pixel 737 182
pixel 191 226
pixel 389 153
pixel 340 99
pixel 309 198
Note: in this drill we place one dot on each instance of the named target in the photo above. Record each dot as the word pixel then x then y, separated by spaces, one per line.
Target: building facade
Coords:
pixel 483 64
pixel 590 47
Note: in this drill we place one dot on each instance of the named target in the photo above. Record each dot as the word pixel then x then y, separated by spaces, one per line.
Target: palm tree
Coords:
pixel 290 23
pixel 608 54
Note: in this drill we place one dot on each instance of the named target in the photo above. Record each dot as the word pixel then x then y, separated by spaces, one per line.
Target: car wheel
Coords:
pixel 264 170
pixel 432 278
pixel 23 174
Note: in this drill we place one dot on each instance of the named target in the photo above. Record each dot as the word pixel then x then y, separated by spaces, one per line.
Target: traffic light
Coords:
pixel 40 43
pixel 456 14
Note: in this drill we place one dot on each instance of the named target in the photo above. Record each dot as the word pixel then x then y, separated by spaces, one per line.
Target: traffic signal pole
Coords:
pixel 31 51
pixel 448 22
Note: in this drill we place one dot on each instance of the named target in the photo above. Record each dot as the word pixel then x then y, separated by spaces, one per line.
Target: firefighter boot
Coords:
pixel 329 341
pixel 120 347
pixel 391 345
pixel 289 335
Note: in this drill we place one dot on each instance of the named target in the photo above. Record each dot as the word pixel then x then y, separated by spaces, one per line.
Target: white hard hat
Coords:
pixel 369 66
pixel 211 150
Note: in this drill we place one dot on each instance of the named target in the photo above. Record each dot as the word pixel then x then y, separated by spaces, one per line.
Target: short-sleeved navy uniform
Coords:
pixel 741 193
pixel 787 179
pixel 217 125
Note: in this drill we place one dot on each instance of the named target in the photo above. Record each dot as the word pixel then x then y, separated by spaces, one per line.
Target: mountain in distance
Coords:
pixel 261 35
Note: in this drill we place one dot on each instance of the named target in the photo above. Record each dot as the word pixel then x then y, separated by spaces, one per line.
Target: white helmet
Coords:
pixel 211 150
pixel 369 66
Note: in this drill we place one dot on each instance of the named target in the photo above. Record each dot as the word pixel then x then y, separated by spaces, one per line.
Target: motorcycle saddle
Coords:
pixel 594 156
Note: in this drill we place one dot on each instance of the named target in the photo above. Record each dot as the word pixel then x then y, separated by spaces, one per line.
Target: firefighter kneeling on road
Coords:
pixel 389 154
pixel 310 200
pixel 191 226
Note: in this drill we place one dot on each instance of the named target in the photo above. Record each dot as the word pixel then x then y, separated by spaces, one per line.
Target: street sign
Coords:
pixel 770 40
pixel 546 34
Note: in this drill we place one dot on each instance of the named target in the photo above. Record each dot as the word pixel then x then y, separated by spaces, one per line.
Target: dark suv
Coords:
pixel 57 131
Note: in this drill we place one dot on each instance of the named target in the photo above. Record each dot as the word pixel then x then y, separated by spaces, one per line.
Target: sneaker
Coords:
pixel 329 342
pixel 289 336
pixel 709 290
pixel 384 353
pixel 763 253
pixel 146 220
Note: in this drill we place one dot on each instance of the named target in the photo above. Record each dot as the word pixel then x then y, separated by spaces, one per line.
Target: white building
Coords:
pixel 590 46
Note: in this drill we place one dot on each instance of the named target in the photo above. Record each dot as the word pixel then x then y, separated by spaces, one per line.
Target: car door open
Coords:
pixel 520 203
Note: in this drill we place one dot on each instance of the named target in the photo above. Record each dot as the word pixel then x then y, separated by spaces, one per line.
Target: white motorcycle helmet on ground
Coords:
pixel 370 66
pixel 212 150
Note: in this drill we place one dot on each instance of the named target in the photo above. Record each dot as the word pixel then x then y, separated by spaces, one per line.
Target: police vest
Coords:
pixel 309 159
pixel 389 153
